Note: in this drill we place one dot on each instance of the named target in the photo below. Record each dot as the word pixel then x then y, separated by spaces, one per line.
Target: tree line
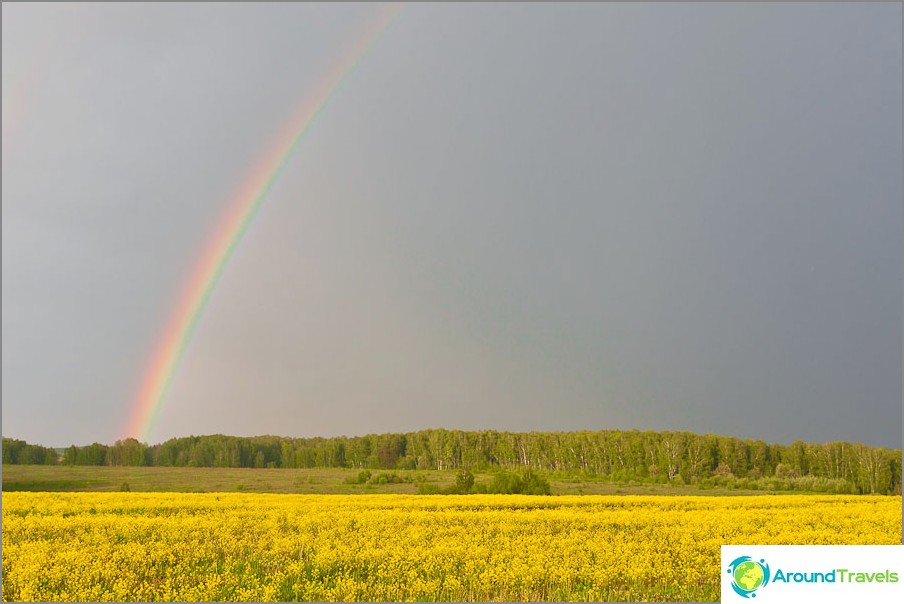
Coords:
pixel 617 455
pixel 20 452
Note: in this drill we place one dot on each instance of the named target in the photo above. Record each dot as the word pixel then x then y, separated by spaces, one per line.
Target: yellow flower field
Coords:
pixel 169 546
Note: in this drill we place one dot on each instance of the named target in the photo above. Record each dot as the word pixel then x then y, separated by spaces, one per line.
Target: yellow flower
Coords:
pixel 245 547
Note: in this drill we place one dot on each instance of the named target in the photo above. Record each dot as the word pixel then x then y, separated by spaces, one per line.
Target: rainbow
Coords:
pixel 238 217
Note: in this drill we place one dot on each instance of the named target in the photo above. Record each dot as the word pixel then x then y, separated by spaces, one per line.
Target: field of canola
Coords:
pixel 247 547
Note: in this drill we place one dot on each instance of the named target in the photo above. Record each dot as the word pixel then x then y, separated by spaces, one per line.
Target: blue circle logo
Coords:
pixel 748 575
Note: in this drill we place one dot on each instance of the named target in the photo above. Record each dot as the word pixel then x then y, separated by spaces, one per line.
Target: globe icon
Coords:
pixel 748 575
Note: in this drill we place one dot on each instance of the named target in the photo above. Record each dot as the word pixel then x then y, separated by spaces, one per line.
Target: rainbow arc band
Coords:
pixel 238 217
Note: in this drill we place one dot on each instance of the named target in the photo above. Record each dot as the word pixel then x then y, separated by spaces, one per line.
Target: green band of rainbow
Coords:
pixel 227 237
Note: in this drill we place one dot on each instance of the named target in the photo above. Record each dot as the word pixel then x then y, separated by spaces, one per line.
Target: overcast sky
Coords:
pixel 513 217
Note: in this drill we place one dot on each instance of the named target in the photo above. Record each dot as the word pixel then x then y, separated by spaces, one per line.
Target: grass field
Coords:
pixel 261 547
pixel 313 481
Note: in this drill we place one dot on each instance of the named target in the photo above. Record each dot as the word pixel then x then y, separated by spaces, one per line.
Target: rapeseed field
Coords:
pixel 258 547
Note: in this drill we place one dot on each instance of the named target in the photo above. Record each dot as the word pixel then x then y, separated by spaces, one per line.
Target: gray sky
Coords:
pixel 514 217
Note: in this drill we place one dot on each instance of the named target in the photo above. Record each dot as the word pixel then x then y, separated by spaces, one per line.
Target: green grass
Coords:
pixel 195 480
pixel 313 481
